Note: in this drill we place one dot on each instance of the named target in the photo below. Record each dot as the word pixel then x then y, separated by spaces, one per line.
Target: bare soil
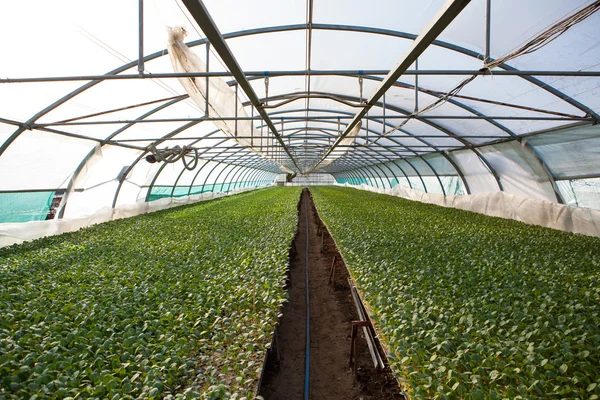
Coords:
pixel 331 314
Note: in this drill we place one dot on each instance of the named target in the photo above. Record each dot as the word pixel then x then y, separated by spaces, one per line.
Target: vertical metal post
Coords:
pixel 367 127
pixel 281 151
pixel 236 109
pixel 207 81
pixel 383 127
pixel 417 85
pixel 488 23
pixel 252 126
pixel 141 37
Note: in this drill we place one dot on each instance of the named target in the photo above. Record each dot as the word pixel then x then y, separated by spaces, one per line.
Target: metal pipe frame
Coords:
pixel 199 12
pixel 314 118
pixel 252 176
pixel 372 176
pixel 210 172
pixel 254 156
pixel 225 178
pixel 313 72
pixel 243 176
pixel 444 17
pixel 349 177
pixel 362 174
pixel 366 174
pixel 409 148
pixel 357 177
pixel 507 71
pixel 360 177
pixel 450 134
pixel 377 167
pixel 227 164
pixel 417 172
pixel 404 173
pixel 240 168
pixel 216 179
pixel 239 183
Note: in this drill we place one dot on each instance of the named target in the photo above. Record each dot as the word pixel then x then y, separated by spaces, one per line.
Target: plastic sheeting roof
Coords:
pixel 527 128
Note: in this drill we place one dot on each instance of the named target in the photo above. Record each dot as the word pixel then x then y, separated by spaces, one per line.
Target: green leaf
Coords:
pixel 563 368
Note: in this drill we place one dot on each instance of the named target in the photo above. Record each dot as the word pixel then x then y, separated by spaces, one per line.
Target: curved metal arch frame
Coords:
pixel 347 176
pixel 155 178
pixel 227 165
pixel 232 180
pixel 360 176
pixel 376 167
pixel 252 176
pixel 233 177
pixel 395 176
pixel 233 168
pixel 141 156
pixel 243 176
pixel 467 145
pixel 259 178
pixel 357 177
pixel 404 35
pixel 217 178
pixel 247 166
pixel 416 171
pixel 250 171
pixel 210 172
pixel 203 165
pixel 537 157
pixel 367 173
pixel 342 175
pixel 458 171
pixel 367 169
pixel 443 153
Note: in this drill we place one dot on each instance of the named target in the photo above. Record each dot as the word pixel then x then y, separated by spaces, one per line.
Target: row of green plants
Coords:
pixel 180 303
pixel 470 306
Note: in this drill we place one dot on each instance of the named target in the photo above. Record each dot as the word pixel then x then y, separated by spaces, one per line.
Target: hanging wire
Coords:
pixel 547 36
pixel 174 154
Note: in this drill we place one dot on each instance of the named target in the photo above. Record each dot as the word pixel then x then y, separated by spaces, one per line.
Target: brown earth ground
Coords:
pixel 331 314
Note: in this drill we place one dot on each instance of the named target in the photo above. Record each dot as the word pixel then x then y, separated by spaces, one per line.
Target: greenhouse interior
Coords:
pixel 302 199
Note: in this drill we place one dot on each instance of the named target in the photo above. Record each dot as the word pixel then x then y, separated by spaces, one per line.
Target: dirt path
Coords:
pixel 331 314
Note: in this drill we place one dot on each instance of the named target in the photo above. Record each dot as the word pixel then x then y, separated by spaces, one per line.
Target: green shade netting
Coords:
pixel 23 207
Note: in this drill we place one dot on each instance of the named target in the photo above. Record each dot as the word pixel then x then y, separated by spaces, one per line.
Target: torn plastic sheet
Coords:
pixel 222 100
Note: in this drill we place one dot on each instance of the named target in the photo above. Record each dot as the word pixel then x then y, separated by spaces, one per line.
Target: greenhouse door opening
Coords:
pixel 328 374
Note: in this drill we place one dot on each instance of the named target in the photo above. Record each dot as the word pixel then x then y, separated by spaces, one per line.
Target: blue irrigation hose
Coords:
pixel 307 357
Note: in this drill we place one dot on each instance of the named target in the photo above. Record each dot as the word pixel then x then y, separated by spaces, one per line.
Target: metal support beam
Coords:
pixel 446 15
pixel 141 37
pixel 341 72
pixel 205 21
pixel 488 25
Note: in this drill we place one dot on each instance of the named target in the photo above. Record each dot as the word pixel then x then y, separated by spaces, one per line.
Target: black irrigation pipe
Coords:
pixel 307 356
